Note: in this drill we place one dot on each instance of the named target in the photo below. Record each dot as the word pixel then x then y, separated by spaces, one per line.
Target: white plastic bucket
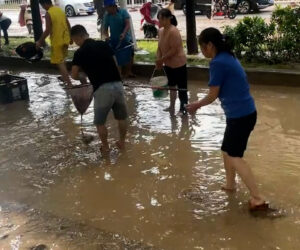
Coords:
pixel 159 81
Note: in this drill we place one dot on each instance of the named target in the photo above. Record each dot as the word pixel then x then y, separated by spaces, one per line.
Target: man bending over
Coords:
pixel 96 60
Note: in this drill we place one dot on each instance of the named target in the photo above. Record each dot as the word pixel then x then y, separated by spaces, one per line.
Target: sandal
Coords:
pixel 230 190
pixel 264 207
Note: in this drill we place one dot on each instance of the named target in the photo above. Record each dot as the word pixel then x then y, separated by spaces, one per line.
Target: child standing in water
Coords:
pixel 228 82
pixel 170 54
pixel 58 27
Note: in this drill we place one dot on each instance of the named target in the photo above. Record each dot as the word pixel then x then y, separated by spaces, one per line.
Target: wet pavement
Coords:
pixel 163 192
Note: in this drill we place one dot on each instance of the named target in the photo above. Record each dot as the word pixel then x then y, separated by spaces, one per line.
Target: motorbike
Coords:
pixel 222 8
pixel 149 22
pixel 25 17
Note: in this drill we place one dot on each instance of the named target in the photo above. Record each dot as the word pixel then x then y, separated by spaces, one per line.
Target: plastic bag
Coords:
pixel 29 52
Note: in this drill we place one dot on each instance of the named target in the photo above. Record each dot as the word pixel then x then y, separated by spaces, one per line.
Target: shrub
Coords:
pixel 254 40
pixel 286 41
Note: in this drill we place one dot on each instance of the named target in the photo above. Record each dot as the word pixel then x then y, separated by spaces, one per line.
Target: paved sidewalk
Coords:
pixel 90 22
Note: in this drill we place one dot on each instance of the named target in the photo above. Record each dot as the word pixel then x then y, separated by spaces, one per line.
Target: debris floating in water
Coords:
pixel 154 202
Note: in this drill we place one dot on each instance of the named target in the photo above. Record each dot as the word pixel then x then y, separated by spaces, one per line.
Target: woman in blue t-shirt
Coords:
pixel 228 82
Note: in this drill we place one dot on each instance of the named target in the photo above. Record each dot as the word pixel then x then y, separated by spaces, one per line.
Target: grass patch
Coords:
pixel 151 47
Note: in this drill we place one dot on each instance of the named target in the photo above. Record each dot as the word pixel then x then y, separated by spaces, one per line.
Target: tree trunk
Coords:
pixel 36 19
pixel 192 45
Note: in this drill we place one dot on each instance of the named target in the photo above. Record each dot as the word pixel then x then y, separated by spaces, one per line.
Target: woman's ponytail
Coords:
pixel 174 20
pixel 221 42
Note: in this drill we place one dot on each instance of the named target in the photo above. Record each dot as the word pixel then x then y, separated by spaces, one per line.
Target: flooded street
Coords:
pixel 163 191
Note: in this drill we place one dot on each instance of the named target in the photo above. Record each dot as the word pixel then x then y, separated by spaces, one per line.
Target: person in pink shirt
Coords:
pixel 171 57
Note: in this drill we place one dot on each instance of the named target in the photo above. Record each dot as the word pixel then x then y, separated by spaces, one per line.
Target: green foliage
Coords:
pixel 286 42
pixel 254 40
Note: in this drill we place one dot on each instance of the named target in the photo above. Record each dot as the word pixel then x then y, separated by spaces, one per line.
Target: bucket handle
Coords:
pixel 153 73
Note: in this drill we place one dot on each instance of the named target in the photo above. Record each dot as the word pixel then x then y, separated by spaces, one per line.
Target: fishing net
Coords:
pixel 82 96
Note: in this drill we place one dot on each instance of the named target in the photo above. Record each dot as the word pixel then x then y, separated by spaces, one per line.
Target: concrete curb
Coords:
pixel 195 73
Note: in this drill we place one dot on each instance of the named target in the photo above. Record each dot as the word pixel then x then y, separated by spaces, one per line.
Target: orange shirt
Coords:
pixel 168 40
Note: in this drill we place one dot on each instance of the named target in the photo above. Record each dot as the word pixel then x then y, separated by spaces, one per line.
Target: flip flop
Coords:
pixel 230 190
pixel 264 207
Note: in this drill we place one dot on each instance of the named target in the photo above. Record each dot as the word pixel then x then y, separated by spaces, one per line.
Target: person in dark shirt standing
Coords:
pixel 96 59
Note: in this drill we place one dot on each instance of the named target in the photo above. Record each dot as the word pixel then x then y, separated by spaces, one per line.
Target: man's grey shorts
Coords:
pixel 109 96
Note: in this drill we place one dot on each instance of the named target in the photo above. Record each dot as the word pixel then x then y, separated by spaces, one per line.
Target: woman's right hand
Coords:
pixel 159 64
pixel 192 107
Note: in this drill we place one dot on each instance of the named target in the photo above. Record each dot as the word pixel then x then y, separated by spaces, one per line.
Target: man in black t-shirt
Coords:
pixel 96 60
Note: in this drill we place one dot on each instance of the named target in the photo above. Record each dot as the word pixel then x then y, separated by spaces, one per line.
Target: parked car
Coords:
pixel 242 6
pixel 76 7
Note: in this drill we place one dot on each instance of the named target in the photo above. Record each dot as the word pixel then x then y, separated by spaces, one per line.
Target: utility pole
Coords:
pixel 36 19
pixel 123 5
pixel 191 42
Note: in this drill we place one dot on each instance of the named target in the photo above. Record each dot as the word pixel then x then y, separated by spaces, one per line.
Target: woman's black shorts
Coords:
pixel 237 133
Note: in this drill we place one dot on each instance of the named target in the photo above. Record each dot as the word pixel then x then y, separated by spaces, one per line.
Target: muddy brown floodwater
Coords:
pixel 164 191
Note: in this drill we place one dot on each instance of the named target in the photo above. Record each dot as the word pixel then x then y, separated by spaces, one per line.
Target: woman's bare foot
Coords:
pixel 181 113
pixel 170 110
pixel 228 189
pixel 258 204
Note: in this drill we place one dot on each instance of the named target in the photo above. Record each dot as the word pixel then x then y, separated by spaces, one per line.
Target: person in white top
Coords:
pixel 5 22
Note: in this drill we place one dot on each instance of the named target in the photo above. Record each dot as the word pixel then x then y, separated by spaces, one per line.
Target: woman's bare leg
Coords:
pixel 245 172
pixel 230 174
pixel 173 96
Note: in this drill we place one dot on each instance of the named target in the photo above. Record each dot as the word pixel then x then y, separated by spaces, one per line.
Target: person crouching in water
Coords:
pixel 228 82
pixel 170 54
pixel 96 59
pixel 58 27
pixel 5 22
